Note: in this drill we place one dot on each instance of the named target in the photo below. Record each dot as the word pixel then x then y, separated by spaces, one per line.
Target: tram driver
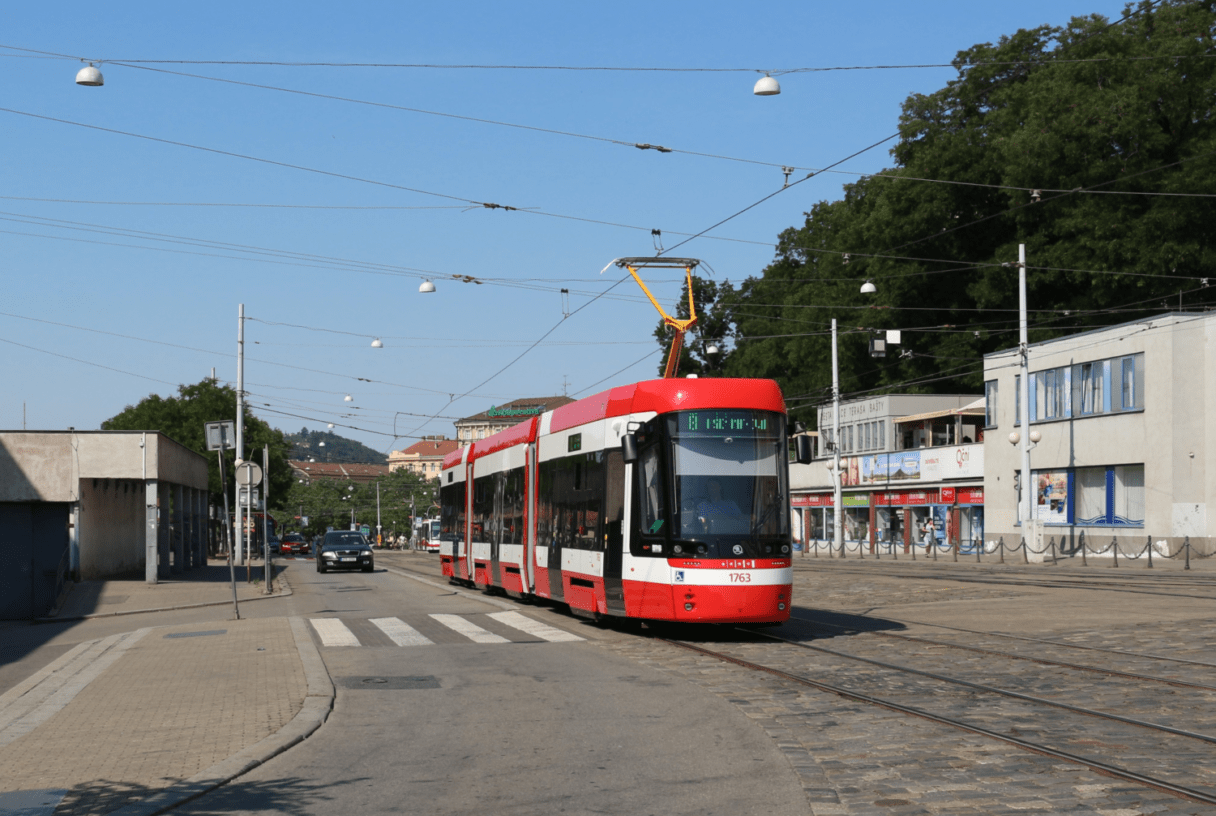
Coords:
pixel 718 514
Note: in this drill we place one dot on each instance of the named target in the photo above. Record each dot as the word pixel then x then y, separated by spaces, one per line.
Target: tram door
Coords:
pixel 468 514
pixel 530 482
pixel 614 525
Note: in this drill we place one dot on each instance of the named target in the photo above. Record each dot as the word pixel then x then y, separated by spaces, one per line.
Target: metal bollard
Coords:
pixel 1025 553
pixel 1114 543
pixel 979 548
pixel 1084 563
pixel 953 550
pixel 1054 561
pixel 1000 544
pixel 1149 546
pixel 1186 545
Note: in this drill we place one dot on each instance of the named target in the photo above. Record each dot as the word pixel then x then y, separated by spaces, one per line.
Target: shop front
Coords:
pixel 894 521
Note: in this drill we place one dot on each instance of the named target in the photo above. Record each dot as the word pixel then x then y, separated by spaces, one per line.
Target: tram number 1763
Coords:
pixel 740 577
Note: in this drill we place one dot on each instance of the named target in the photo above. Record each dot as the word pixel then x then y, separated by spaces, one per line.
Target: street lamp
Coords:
pixel 89 75
pixel 766 86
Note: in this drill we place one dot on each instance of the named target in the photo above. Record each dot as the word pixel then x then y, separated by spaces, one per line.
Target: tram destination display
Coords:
pixel 726 423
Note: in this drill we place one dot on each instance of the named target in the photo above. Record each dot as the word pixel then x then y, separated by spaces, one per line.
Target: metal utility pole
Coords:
pixel 379 540
pixel 837 494
pixel 266 574
pixel 1024 397
pixel 239 456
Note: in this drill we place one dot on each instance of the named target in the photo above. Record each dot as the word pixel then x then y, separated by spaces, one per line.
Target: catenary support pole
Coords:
pixel 837 498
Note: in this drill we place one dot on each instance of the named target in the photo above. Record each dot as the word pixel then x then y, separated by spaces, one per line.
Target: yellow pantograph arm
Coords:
pixel 678 325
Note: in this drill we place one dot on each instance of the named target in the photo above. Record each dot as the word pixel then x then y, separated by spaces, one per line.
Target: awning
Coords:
pixel 971 409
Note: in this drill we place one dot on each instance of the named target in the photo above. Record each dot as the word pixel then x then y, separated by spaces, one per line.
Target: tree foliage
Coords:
pixel 329 503
pixel 337 449
pixel 1090 106
pixel 182 419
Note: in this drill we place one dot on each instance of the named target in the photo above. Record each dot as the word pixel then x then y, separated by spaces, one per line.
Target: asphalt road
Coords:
pixel 522 726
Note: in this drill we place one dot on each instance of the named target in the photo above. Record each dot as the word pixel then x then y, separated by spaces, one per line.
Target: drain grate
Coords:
pixel 196 634
pixel 389 683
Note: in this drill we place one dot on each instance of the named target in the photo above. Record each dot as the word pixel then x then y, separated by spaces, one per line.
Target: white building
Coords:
pixel 1126 416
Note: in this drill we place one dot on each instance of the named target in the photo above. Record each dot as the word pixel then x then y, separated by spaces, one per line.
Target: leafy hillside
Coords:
pixel 339 449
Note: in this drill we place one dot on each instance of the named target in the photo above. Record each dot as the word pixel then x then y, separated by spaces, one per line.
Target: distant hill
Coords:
pixel 337 449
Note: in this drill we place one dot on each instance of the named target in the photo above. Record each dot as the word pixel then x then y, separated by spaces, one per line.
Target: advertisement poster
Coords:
pixel 891 467
pixel 1051 496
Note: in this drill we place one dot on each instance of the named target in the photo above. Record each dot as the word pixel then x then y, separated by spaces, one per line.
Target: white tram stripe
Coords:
pixel 400 632
pixel 470 630
pixel 333 632
pixel 535 628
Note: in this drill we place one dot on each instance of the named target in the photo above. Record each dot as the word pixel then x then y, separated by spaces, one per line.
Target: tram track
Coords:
pixel 1134 586
pixel 1024 638
pixel 1031 659
pixel 1039 747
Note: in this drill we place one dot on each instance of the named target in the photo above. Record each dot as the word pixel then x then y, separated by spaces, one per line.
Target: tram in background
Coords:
pixel 662 500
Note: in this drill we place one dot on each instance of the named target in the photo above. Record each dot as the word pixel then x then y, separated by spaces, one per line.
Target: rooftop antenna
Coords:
pixel 680 326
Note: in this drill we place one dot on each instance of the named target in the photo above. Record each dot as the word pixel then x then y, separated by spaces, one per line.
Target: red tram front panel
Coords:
pixel 696 590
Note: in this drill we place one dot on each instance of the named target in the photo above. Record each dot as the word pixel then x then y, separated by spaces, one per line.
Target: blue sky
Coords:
pixel 147 261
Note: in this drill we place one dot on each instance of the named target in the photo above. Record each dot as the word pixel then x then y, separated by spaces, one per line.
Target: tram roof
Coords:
pixel 658 396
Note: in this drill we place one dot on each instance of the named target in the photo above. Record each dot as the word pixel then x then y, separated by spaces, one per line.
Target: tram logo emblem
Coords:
pixel 679 578
pixel 737 549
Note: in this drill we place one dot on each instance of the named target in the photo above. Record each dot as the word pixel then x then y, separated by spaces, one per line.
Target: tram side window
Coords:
pixel 451 498
pixel 571 501
pixel 483 507
pixel 652 513
pixel 513 507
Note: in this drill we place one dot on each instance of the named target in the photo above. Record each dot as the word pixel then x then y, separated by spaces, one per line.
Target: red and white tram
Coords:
pixel 662 500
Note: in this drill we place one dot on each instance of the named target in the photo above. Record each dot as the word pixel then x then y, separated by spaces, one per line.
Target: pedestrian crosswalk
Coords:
pixel 333 632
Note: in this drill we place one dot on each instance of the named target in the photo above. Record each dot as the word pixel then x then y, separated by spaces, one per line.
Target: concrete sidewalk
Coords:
pixel 140 721
pixel 203 586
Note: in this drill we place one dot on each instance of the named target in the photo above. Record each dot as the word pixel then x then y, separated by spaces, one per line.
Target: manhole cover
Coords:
pixel 377 683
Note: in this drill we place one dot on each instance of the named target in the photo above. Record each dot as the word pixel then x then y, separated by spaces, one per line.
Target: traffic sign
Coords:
pixel 245 499
pixel 366 530
pixel 248 473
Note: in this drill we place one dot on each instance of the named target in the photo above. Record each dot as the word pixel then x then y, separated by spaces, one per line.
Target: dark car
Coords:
pixel 344 550
pixel 294 544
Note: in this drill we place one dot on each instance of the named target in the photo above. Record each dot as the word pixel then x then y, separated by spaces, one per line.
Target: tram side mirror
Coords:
pixel 629 447
pixel 802 449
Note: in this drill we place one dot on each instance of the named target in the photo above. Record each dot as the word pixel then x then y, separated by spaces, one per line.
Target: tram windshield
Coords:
pixel 729 474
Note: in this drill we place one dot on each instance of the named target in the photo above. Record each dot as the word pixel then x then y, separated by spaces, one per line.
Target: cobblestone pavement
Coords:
pixel 854 758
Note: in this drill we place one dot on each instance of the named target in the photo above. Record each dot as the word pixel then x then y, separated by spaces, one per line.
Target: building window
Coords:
pixel 1086 389
pixel 1107 496
pixel 990 392
pixel 869 432
pixel 1087 381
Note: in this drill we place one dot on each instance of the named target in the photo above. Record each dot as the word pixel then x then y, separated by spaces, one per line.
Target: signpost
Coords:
pixel 248 475
pixel 220 435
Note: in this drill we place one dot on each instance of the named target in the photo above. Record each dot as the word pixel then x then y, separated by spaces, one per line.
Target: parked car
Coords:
pixel 275 545
pixel 343 549
pixel 294 544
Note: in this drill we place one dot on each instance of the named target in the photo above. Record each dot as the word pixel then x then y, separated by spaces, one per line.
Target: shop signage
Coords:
pixel 825 500
pixel 947 494
pixel 495 411
pixel 906 498
pixel 970 495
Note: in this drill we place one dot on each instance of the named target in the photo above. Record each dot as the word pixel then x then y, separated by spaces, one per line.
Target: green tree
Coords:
pixel 329 502
pixel 1127 110
pixel 182 419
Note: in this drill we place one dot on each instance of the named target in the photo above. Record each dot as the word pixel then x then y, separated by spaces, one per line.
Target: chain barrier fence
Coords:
pixel 1051 553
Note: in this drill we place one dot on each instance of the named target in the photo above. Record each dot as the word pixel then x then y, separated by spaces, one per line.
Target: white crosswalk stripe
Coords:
pixel 333 632
pixel 400 632
pixel 469 629
pixel 534 628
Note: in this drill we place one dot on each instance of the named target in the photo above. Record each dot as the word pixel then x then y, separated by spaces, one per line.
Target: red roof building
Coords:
pixel 337 472
pixel 424 458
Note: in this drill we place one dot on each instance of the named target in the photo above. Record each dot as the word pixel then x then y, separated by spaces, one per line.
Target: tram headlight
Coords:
pixel 781 607
pixel 688 606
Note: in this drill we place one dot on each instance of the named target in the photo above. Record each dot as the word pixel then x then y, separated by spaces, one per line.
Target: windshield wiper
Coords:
pixel 768 512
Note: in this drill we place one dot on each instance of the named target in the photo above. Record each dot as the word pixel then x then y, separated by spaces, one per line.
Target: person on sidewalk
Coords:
pixel 930 537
